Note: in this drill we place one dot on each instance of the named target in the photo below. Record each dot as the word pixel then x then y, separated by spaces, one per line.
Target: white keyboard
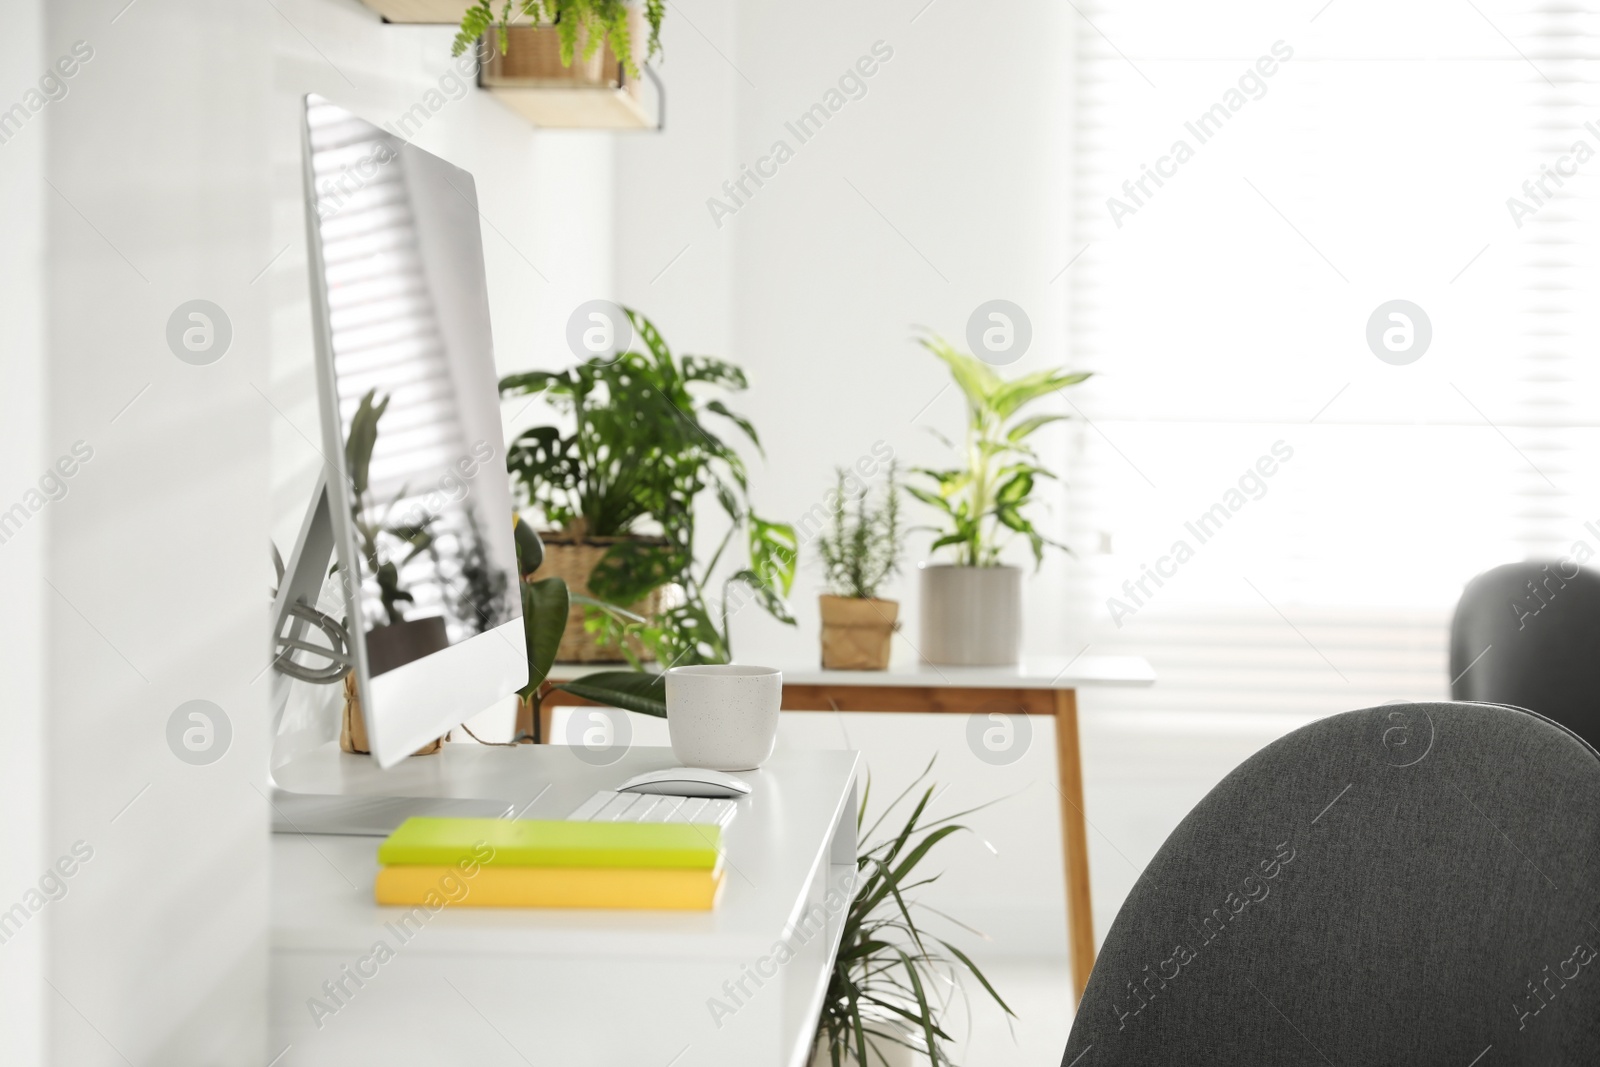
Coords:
pixel 611 806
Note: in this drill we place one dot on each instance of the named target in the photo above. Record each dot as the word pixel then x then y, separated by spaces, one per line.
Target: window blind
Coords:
pixel 1253 183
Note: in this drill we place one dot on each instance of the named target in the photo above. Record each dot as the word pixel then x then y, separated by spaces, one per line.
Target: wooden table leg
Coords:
pixel 1075 842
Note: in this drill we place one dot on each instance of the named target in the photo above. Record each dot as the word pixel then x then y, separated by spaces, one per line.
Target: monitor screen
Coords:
pixel 408 374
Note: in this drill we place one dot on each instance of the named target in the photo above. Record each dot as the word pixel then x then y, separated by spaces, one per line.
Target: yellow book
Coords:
pixel 551 887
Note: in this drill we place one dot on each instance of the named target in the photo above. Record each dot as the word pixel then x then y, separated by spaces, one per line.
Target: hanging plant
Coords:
pixel 598 22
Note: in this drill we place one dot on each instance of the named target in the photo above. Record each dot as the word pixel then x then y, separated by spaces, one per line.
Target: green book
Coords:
pixel 549 843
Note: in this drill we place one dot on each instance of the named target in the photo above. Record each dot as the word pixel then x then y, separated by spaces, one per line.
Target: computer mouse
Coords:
pixel 686 782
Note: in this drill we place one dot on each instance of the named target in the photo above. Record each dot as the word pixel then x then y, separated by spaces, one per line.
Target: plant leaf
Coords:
pixel 544 618
pixel 1027 426
pixel 362 438
pixel 530 548
pixel 637 691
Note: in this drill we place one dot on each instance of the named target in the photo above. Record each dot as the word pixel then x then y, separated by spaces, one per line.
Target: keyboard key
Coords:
pixel 610 806
pixel 591 807
pixel 719 812
pixel 692 809
pixel 665 810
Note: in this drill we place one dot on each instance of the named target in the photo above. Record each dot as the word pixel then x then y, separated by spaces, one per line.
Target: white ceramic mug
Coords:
pixel 723 716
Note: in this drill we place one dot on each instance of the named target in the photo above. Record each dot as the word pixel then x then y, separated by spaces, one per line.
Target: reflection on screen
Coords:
pixel 414 373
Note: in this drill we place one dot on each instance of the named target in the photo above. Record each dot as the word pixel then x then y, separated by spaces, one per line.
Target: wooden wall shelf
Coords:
pixel 529 78
pixel 436 12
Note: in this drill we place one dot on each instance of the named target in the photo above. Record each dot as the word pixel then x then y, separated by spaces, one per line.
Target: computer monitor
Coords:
pixel 417 491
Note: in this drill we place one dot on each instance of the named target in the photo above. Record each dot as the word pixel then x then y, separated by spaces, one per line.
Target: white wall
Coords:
pixel 174 170
pixel 158 168
pixel 22 556
pixel 945 185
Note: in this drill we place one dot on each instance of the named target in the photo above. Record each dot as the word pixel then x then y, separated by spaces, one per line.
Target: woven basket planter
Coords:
pixel 856 634
pixel 574 561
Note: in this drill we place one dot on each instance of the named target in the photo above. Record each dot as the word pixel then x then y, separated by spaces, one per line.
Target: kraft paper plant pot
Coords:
pixel 856 633
pixel 353 727
pixel 971 616
pixel 389 647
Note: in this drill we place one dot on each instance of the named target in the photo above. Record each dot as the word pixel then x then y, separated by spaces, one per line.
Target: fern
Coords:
pixel 601 21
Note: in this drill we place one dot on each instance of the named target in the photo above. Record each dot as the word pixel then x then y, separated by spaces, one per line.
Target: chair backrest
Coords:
pixel 1528 635
pixel 1410 884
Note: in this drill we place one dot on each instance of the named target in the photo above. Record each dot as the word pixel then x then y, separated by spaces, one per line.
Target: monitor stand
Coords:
pixel 293 613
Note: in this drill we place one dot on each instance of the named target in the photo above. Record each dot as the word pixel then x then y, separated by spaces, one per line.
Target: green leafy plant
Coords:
pixel 643 448
pixel 885 982
pixel 378 535
pixel 982 502
pixel 600 21
pixel 544 616
pixel 862 548
pixel 692 629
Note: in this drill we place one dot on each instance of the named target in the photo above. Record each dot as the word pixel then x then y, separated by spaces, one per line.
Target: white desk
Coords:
pixel 485 987
pixel 1045 686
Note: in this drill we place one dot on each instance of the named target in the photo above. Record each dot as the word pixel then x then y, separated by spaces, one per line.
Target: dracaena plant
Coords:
pixel 599 21
pixel 644 449
pixel 890 976
pixel 984 501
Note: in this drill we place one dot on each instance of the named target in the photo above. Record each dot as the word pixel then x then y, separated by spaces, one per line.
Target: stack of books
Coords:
pixel 500 863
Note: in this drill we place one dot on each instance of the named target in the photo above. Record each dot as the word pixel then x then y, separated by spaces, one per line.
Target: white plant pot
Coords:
pixel 971 616
pixel 894 1055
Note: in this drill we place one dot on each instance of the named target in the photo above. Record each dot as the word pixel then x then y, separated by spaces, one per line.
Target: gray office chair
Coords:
pixel 1411 884
pixel 1528 634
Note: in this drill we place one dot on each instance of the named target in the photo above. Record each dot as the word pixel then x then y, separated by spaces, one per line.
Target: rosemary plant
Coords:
pixel 862 549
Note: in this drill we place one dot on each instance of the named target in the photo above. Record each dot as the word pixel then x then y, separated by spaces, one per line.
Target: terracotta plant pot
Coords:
pixel 856 633
pixel 573 560
pixel 971 616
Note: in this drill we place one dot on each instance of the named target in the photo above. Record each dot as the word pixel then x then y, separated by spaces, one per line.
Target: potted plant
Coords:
pixel 887 992
pixel 567 63
pixel 621 487
pixel 971 610
pixel 579 28
pixel 860 551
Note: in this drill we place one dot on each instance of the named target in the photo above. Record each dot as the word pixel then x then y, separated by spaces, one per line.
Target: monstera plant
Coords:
pixel 644 450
